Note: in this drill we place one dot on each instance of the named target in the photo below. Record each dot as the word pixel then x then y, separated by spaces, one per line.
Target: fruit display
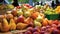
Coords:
pixel 31 19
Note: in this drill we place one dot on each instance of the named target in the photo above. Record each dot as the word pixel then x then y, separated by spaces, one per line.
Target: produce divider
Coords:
pixel 26 19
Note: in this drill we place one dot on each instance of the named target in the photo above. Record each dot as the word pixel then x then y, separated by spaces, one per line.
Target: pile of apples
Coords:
pixel 52 28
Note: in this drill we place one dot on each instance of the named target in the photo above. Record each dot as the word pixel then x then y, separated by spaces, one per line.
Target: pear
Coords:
pixel 27 13
pixel 39 18
pixel 37 23
pixel 15 18
pixel 20 12
pixel 0 26
pixel 4 26
pixel 12 24
pixel 21 26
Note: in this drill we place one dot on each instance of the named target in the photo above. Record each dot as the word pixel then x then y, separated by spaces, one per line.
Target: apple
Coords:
pixel 30 29
pixel 55 32
pixel 55 22
pixel 43 28
pixel 20 19
pixel 58 27
pixel 28 32
pixel 20 12
pixel 26 5
pixel 18 7
pixel 42 32
pixel 36 30
pixel 30 7
pixel 36 33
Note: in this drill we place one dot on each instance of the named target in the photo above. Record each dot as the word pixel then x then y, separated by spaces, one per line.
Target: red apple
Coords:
pixel 30 6
pixel 36 33
pixel 36 29
pixel 26 5
pixel 18 7
pixel 28 32
pixel 55 22
pixel 20 19
pixel 50 22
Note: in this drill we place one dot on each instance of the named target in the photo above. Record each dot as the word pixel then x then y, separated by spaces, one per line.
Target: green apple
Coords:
pixel 37 23
pixel 20 12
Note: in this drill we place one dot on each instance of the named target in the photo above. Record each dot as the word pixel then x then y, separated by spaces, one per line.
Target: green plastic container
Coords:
pixel 59 16
pixel 52 16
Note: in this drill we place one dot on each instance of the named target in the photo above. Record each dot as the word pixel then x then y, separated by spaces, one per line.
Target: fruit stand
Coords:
pixel 26 19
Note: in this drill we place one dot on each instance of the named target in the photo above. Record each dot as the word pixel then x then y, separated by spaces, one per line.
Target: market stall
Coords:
pixel 27 19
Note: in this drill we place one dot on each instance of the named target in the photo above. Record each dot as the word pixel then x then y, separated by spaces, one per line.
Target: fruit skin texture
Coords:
pixel 27 32
pixel 14 12
pixel 36 33
pixel 28 20
pixel 27 14
pixel 20 19
pixel 45 22
pixel 4 26
pixel 21 26
pixel 39 18
pixel 12 24
pixel 37 23
pixel 55 22
pixel 0 26
pixel 34 15
pixel 9 16
pixel 19 12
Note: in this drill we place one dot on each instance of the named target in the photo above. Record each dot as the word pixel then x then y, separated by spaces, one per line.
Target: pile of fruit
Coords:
pixel 30 18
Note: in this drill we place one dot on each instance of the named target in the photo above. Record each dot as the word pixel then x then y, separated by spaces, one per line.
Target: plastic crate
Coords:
pixel 52 16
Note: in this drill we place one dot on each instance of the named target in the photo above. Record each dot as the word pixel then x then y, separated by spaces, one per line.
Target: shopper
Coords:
pixel 53 4
pixel 3 2
pixel 57 3
pixel 15 3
